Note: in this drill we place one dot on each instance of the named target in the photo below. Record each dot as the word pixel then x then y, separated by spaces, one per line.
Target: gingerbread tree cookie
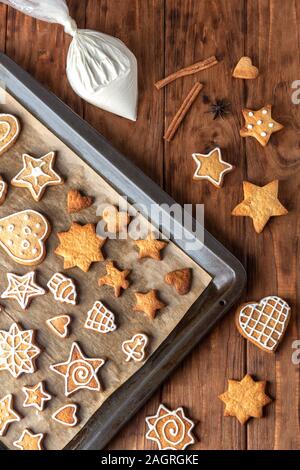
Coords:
pixel 115 278
pixel 80 246
pixel 148 303
pixel 260 203
pixel 245 399
pixel 150 247
pixel 259 124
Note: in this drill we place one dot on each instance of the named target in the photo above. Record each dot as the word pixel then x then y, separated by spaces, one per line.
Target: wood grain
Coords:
pixel 166 35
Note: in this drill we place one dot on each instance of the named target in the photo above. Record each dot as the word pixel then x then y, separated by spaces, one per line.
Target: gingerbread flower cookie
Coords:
pixel 150 247
pixel 7 414
pixel 245 399
pixel 59 325
pixel 76 202
pixel 264 323
pixel 115 278
pixel 3 190
pixel 36 396
pixel 100 319
pixel 134 348
pixel 80 246
pixel 22 288
pixel 23 236
pixel 211 167
pixel 37 174
pixel 171 430
pixel 260 203
pixel 62 288
pixel 79 372
pixel 9 131
pixel 148 303
pixel 29 441
pixel 259 124
pixel 66 415
pixel 17 351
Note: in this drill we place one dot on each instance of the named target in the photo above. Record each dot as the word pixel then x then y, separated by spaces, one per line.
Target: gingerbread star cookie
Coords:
pixel 29 441
pixel 36 396
pixel 76 202
pixel 17 351
pixel 260 203
pixel 115 278
pixel 171 430
pixel 79 372
pixel 245 399
pixel 259 124
pixel 148 303
pixel 9 131
pixel 37 174
pixel 150 248
pixel 181 279
pixel 3 190
pixel 80 246
pixel 22 288
pixel 116 221
pixel 211 167
pixel 7 414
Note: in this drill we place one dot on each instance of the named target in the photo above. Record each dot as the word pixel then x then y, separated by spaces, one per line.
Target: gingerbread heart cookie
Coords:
pixel 9 131
pixel 264 323
pixel 23 236
pixel 181 279
pixel 245 69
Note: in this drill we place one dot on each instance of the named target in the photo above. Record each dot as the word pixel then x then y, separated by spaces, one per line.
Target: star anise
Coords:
pixel 220 109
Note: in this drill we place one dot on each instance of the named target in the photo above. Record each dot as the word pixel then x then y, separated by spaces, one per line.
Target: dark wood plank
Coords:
pixel 194 31
pixel 273 264
pixel 3 13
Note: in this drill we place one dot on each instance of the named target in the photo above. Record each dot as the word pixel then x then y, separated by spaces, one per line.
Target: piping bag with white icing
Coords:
pixel 100 68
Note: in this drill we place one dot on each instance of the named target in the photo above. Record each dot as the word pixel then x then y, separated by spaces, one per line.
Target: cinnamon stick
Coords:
pixel 182 112
pixel 195 68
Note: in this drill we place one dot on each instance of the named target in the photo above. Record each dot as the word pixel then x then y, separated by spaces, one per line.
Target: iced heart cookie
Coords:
pixel 9 131
pixel 3 190
pixel 181 279
pixel 66 415
pixel 59 325
pixel 7 414
pixel 134 348
pixel 37 174
pixel 259 124
pixel 264 323
pixel 171 430
pixel 245 69
pixel 22 236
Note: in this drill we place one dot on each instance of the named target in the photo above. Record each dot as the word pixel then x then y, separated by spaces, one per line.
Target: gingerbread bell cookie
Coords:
pixel 180 279
pixel 245 69
pixel 264 323
pixel 260 124
pixel 171 430
pixel 211 167
pixel 100 319
pixel 76 202
pixel 37 174
pixel 22 289
pixel 29 441
pixel 245 399
pixel 148 303
pixel 3 190
pixel 150 247
pixel 66 415
pixel 9 131
pixel 7 413
pixel 260 203
pixel 23 236
pixel 36 396
pixel 80 246
pixel 115 278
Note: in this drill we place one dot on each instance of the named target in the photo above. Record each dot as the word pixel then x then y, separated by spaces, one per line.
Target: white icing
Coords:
pixel 39 398
pixel 11 228
pixel 227 167
pixel 62 408
pixel 135 347
pixel 13 136
pixel 259 122
pixel 264 111
pixel 22 288
pixel 250 126
pixel 10 242
pixel 263 134
pixel 271 124
pixel 25 244
pixel 62 288
pixel 251 114
pixel 100 319
pixel 27 230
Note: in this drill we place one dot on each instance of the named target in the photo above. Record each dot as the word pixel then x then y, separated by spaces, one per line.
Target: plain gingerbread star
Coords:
pixel 7 414
pixel 115 278
pixel 260 203
pixel 211 167
pixel 148 303
pixel 245 399
pixel 260 124
pixel 37 174
pixel 150 247
pixel 29 441
pixel 36 396
pixel 80 246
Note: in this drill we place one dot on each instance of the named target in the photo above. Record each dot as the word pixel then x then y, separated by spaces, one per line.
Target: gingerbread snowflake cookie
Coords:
pixel 37 174
pixel 7 414
pixel 80 246
pixel 22 289
pixel 171 430
pixel 23 236
pixel 36 396
pixel 211 167
pixel 17 351
pixel 260 124
pixel 115 278
pixel 79 371
pixel 29 441
pixel 9 131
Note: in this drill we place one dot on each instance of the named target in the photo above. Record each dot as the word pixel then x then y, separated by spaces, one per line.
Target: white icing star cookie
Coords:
pixel 36 396
pixel 22 288
pixel 37 174
pixel 211 167
pixel 29 441
pixel 7 414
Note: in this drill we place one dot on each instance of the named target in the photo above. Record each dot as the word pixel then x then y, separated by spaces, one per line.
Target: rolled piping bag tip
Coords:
pixel 100 68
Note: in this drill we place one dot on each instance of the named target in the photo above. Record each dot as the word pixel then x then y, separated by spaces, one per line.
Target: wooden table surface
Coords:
pixel 166 35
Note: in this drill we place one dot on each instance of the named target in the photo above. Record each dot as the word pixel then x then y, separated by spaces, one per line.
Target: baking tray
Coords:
pixel 228 274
